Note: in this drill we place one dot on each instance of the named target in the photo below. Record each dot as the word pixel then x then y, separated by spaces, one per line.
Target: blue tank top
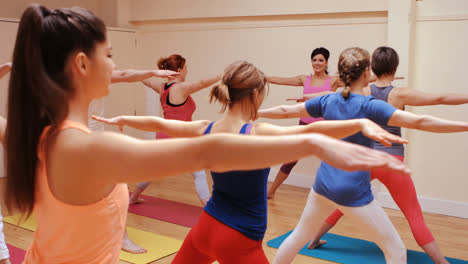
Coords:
pixel 381 93
pixel 239 198
pixel 343 187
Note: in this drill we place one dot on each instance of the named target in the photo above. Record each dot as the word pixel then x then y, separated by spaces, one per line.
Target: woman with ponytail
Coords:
pixel 350 191
pixel 233 223
pixel 177 104
pixel 71 179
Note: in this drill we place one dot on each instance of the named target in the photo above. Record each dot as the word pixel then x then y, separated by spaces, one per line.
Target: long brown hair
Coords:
pixel 351 64
pixel 241 80
pixel 40 87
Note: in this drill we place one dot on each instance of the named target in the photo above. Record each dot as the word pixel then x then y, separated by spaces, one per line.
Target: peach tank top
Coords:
pixel 75 234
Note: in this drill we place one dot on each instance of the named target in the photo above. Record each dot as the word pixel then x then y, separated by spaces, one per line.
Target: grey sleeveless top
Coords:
pixel 381 93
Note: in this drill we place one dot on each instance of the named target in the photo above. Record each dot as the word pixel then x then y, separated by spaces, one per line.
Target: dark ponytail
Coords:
pixel 39 89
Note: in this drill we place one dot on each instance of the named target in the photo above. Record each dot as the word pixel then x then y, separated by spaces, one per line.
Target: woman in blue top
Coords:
pixel 351 191
pixel 233 224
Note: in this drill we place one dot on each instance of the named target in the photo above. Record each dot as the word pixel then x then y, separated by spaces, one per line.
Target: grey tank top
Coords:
pixel 381 93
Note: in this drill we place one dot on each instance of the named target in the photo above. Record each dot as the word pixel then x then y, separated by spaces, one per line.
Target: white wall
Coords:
pixel 105 9
pixel 440 161
pixel 145 10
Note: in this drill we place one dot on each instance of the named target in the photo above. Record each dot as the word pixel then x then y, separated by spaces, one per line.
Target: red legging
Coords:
pixel 401 187
pixel 211 240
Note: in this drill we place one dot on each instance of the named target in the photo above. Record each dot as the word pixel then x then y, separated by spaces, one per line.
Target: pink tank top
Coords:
pixel 308 89
pixel 75 234
pixel 182 112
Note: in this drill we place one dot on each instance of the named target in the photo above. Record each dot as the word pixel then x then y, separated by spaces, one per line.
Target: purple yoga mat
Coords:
pixel 168 211
pixel 16 254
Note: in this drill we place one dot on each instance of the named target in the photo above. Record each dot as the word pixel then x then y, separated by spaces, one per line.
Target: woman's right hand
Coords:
pixel 115 121
pixel 351 157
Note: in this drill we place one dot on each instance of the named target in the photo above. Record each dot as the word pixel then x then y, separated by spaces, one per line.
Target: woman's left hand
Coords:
pixel 115 121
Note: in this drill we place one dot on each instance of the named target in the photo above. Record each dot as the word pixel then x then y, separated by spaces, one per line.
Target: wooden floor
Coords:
pixel 451 233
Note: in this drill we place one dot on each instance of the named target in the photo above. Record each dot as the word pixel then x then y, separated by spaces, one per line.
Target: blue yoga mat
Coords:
pixel 349 250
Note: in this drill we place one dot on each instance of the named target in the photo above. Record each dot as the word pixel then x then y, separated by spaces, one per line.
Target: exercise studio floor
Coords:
pixel 451 233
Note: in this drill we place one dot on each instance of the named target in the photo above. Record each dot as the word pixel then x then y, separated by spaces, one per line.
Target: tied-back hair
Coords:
pixel 241 80
pixel 174 62
pixel 40 87
pixel 351 65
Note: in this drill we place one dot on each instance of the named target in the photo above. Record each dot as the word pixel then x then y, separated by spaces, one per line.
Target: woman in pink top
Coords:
pixel 178 104
pixel 320 81
pixel 72 179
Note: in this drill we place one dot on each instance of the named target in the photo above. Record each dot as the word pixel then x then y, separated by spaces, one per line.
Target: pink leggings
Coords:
pixel 401 187
pixel 211 240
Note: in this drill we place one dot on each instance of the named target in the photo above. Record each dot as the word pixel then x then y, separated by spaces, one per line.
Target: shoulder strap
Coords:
pixel 65 125
pixel 208 129
pixel 246 128
pixel 168 85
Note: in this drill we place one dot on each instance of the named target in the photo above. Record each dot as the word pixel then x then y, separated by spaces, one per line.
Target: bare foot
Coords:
pixel 129 246
pixel 5 261
pixel 316 244
pixel 134 201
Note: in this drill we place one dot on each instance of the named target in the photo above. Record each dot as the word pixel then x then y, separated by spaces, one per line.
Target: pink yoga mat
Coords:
pixel 16 254
pixel 169 211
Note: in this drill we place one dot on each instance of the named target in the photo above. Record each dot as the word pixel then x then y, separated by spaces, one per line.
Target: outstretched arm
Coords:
pixel 140 75
pixel 4 69
pixel 413 97
pixel 291 81
pixel 188 88
pixel 426 123
pixel 117 158
pixel 335 129
pixel 174 128
pixel 284 111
